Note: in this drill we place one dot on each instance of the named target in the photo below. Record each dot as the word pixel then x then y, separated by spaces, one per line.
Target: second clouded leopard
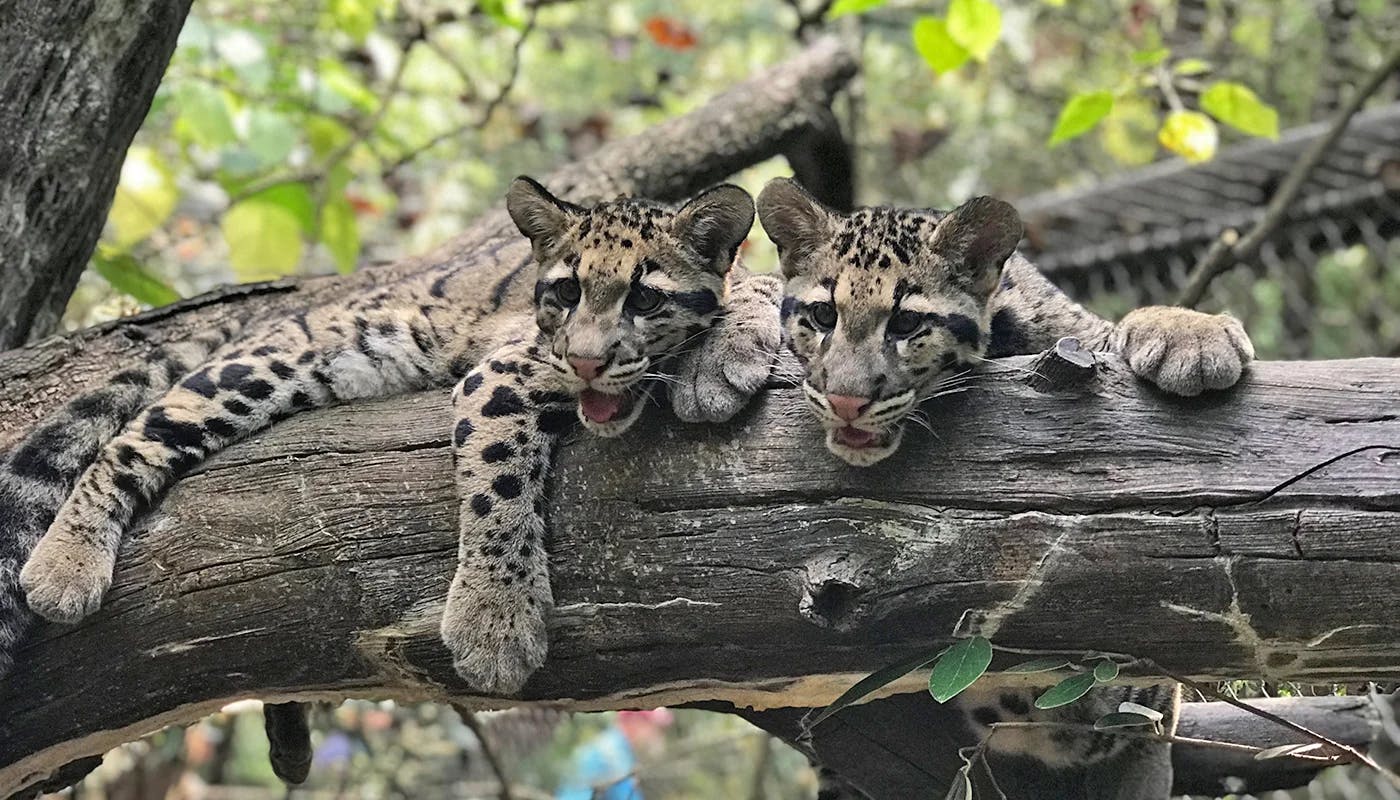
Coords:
pixel 629 293
pixel 883 304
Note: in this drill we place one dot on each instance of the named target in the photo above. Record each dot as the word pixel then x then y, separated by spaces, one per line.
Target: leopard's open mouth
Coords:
pixel 860 438
pixel 602 408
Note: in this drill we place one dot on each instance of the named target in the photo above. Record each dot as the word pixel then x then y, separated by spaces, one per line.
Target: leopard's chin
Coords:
pixel 609 415
pixel 862 448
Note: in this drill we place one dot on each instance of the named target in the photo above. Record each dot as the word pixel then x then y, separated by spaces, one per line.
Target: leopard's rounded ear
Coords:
pixel 539 215
pixel 714 223
pixel 796 222
pixel 976 238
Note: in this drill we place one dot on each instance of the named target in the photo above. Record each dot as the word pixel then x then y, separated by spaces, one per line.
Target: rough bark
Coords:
pixel 783 111
pixel 741 563
pixel 906 746
pixel 76 80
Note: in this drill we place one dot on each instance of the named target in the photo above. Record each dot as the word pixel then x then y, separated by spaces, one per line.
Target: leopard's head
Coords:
pixel 624 286
pixel 882 304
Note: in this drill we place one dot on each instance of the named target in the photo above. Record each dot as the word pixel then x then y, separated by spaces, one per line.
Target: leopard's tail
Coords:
pixel 37 475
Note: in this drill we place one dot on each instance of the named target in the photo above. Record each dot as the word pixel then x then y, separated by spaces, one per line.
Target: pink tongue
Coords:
pixel 855 437
pixel 599 407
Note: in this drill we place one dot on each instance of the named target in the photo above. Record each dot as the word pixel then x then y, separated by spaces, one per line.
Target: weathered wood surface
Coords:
pixel 76 80
pixel 783 111
pixel 742 563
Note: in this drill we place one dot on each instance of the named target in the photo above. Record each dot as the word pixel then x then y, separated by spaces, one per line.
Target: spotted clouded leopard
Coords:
pixel 881 306
pixel 630 295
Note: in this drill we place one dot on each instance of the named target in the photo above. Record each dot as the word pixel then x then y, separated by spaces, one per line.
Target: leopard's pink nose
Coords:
pixel 846 406
pixel 586 368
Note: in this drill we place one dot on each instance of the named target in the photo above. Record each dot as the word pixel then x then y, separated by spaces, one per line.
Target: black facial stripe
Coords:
pixel 789 306
pixel 700 301
pixel 963 327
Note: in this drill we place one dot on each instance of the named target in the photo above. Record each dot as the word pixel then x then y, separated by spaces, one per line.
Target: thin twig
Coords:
pixel 1222 255
pixel 491 105
pixel 469 719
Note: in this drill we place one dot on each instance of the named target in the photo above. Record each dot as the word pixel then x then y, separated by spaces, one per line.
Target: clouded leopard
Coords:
pixel 882 305
pixel 630 295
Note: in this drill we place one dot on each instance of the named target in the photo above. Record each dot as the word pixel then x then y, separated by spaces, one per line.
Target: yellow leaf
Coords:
pixel 146 196
pixel 1189 134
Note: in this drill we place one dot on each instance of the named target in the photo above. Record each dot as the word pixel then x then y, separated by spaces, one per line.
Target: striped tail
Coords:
pixel 38 474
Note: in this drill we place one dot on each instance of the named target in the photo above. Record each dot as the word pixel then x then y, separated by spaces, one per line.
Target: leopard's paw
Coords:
pixel 1182 351
pixel 496 632
pixel 734 360
pixel 64 580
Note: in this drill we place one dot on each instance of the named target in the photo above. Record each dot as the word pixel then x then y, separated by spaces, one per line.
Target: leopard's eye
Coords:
pixel 643 299
pixel 568 291
pixel 823 314
pixel 904 323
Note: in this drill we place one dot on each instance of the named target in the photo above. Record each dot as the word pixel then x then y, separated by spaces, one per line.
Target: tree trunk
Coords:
pixel 76 80
pixel 742 563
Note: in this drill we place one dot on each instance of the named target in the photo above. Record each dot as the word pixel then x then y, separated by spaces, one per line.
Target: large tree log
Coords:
pixel 742 563
pixel 76 80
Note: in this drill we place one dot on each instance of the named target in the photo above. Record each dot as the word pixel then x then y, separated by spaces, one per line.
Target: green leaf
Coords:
pixel 875 681
pixel 340 233
pixel 353 17
pixel 975 25
pixel 1189 134
pixel 962 785
pixel 958 668
pixel 1120 719
pixel 1080 115
pixel 1191 66
pixel 843 7
pixel 204 116
pixel 271 136
pixel 936 47
pixel 1105 671
pixel 496 10
pixel 1239 107
pixel 264 239
pixel 1066 691
pixel 1039 665
pixel 145 198
pixel 127 276
pixel 1151 57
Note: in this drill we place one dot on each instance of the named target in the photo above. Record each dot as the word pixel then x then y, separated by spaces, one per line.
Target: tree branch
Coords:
pixel 1230 248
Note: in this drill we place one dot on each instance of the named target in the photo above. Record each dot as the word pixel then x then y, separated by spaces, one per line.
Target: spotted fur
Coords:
pixel 884 305
pixel 509 410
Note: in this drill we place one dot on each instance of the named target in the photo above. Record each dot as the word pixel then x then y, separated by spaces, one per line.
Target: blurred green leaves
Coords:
pixel 1239 107
pixel 842 8
pixel 127 276
pixel 146 196
pixel 937 47
pixel 975 25
pixel 1080 115
pixel 264 232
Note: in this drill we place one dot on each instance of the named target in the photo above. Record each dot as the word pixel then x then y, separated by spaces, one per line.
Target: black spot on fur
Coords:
pixel 265 350
pixel 503 367
pixel 127 484
pixel 439 287
pixel 464 429
pixel 93 405
pixel 302 400
pixel 256 389
pixel 521 438
pixel 986 715
pixel 481 505
pixel 307 357
pixel 233 375
pixel 507 486
pixel 128 455
pixel 1015 704
pixel 471 383
pixel 220 427
pixel 556 420
pixel 504 402
pixel 963 328
pixel 280 369
pixel 174 434
pixel 496 451
pixel 544 398
pixel 201 384
pixel 235 406
pixel 1008 338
